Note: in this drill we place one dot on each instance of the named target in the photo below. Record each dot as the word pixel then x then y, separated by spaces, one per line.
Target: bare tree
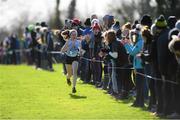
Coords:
pixel 72 9
pixel 168 7
pixel 133 9
pixel 55 21
pixel 58 22
pixel 144 7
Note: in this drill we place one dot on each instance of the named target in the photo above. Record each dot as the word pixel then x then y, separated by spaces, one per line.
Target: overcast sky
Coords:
pixel 15 11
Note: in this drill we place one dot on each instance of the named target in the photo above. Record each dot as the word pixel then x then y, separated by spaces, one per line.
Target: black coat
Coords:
pixel 117 46
pixel 153 55
pixel 163 52
pixel 49 40
pixel 34 41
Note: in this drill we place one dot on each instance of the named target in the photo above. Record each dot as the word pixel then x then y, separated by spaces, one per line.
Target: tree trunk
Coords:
pixel 72 9
pixel 57 23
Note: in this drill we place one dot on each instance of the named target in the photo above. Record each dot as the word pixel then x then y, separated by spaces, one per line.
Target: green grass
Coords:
pixel 26 93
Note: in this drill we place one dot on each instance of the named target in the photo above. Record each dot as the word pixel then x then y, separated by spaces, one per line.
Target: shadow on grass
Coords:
pixel 74 96
pixel 130 100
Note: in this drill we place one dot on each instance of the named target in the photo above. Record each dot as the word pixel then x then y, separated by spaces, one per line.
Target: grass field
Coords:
pixel 26 93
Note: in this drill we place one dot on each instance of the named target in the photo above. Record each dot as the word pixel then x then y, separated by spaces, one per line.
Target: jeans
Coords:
pixel 114 77
pixel 139 88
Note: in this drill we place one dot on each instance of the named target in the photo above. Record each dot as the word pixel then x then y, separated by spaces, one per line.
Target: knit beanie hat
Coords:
pixel 43 24
pixel 178 24
pixel 146 20
pixel 38 26
pixel 31 27
pixel 161 22
pixel 94 21
pixel 111 20
pixel 44 27
pixel 172 21
pixel 137 29
pixel 87 22
pixel 76 21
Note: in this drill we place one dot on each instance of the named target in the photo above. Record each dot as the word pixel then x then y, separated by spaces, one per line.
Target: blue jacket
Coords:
pixel 134 50
pixel 85 46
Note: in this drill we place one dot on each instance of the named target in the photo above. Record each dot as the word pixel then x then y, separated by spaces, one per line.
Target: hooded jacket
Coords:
pixel 134 50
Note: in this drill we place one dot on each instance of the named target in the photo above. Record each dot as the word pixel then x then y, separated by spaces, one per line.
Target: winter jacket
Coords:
pixel 163 53
pixel 85 46
pixel 97 44
pixel 134 50
pixel 122 56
